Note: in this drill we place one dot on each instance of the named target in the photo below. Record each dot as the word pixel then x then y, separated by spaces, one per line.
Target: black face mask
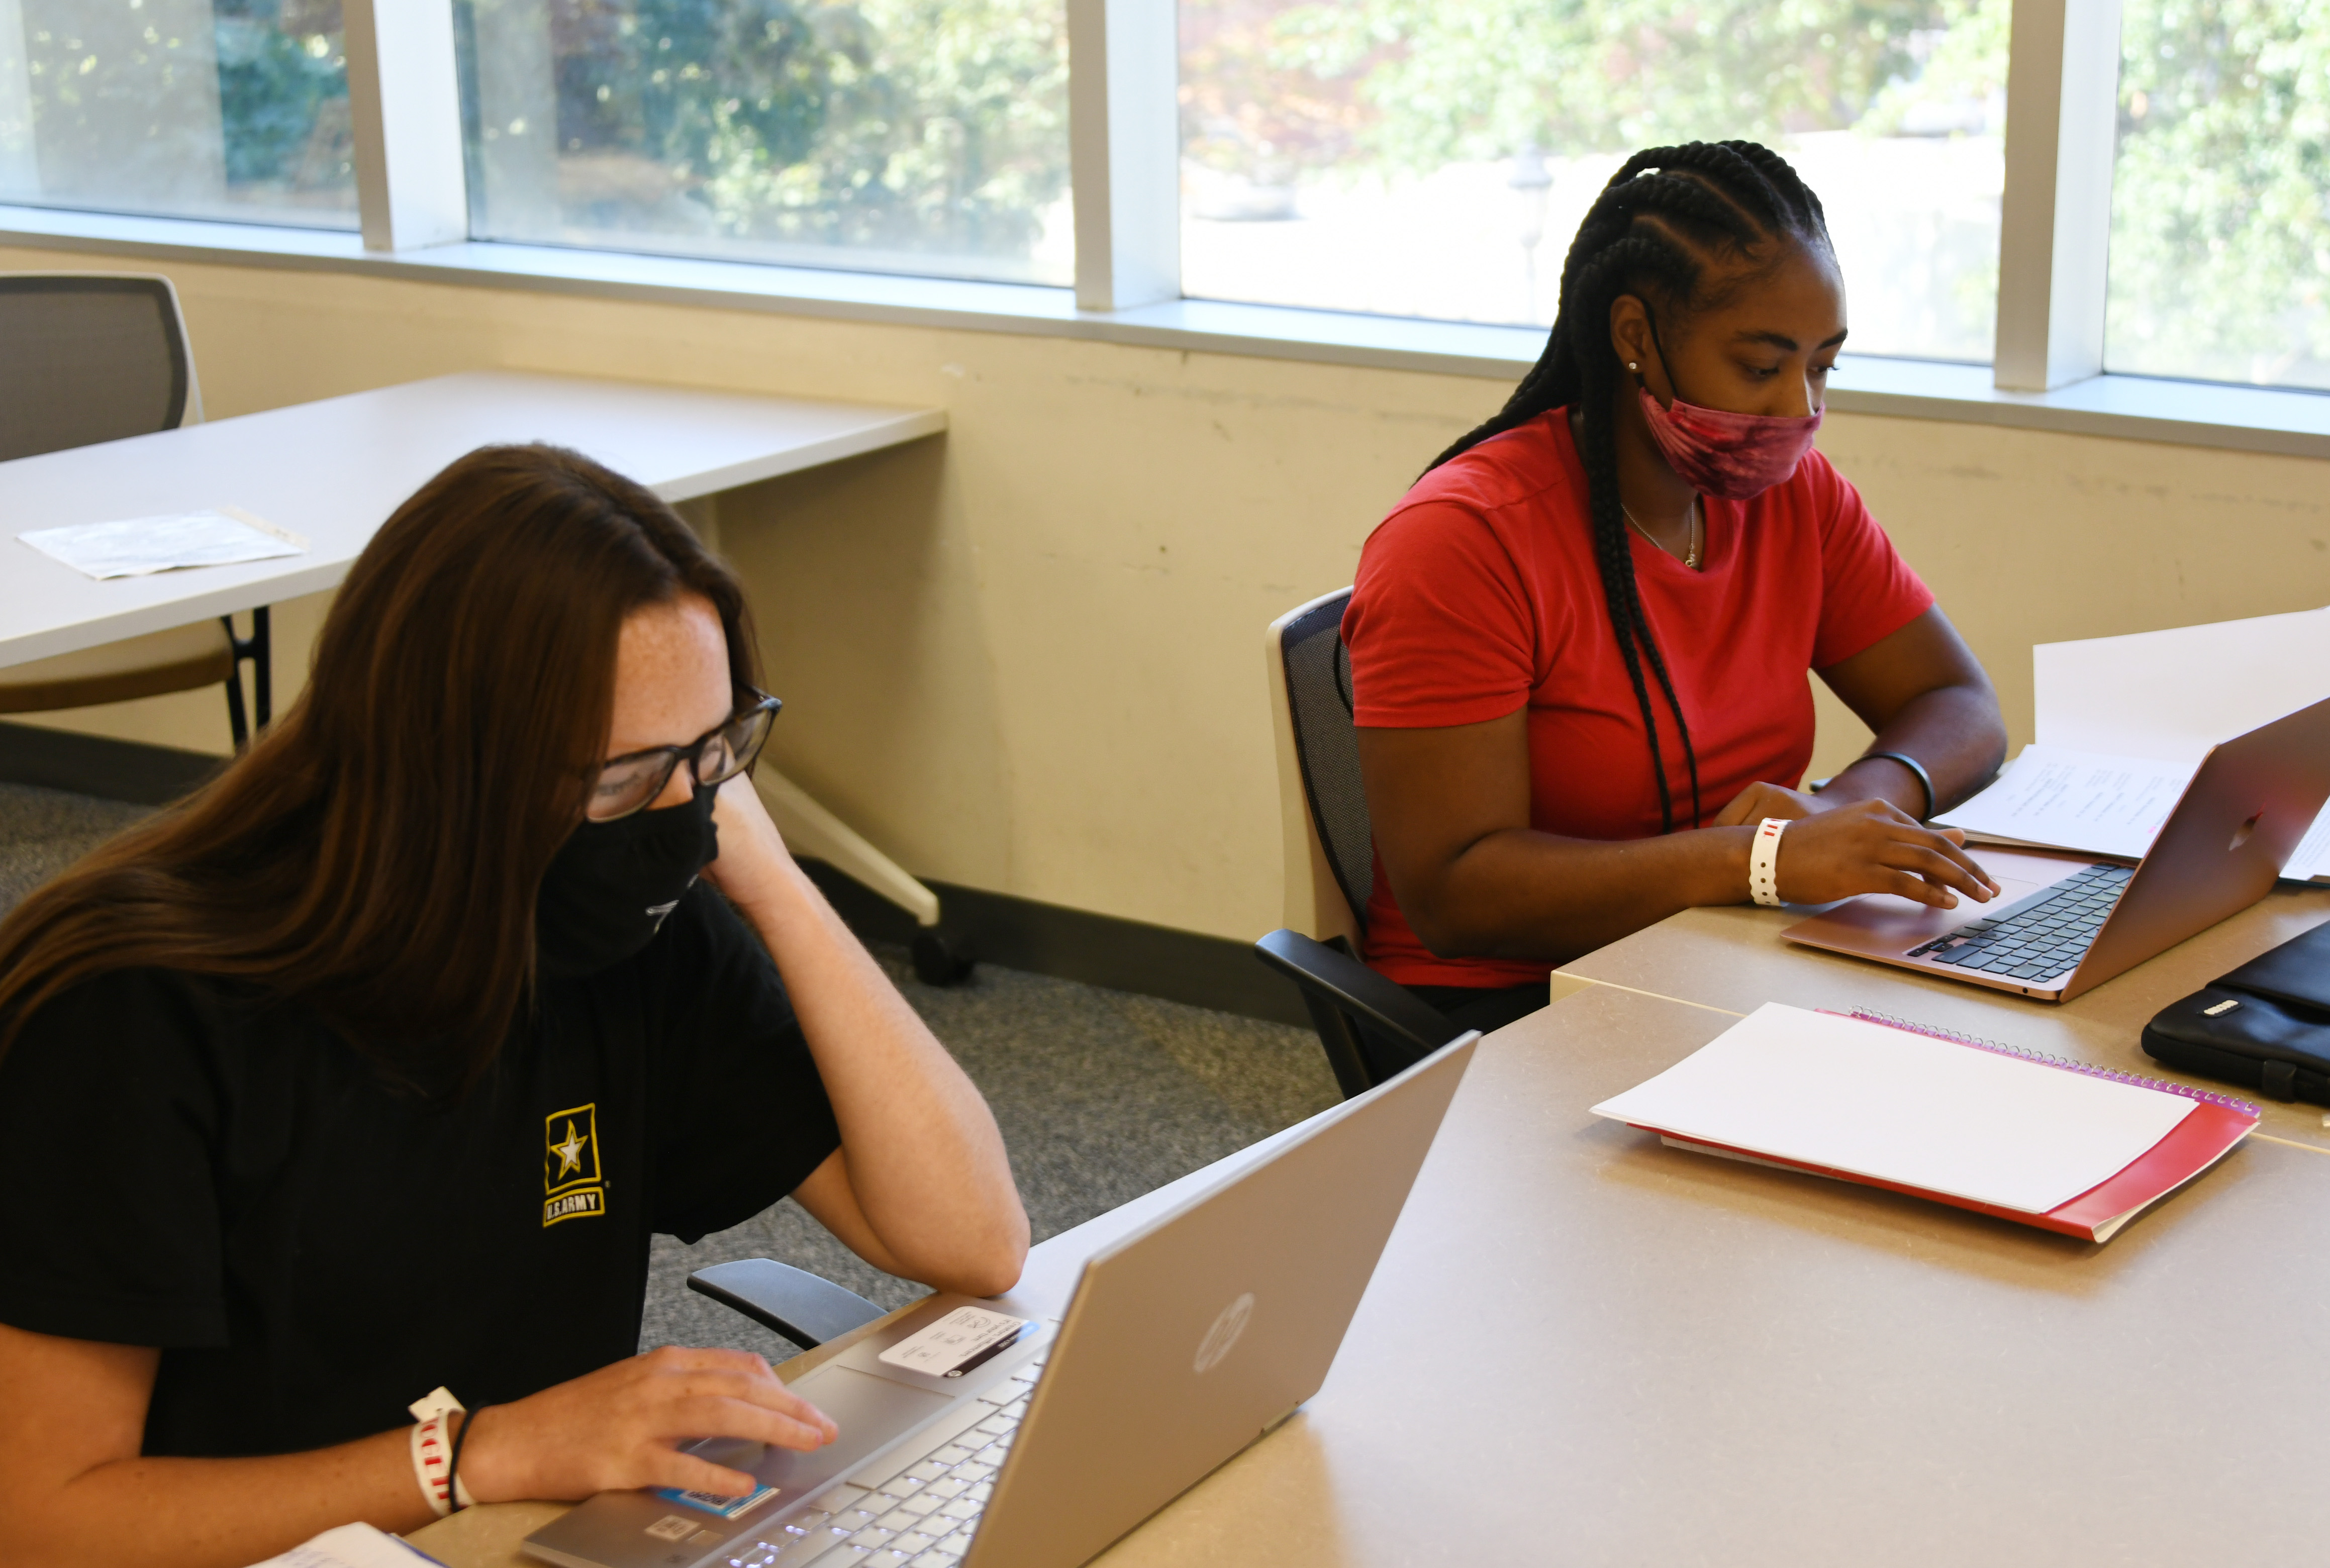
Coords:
pixel 611 884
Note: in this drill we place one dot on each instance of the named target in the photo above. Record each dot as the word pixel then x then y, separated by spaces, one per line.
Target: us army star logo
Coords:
pixel 570 1153
pixel 571 1180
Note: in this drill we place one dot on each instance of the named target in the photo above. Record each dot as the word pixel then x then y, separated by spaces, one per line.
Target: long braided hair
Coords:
pixel 1657 223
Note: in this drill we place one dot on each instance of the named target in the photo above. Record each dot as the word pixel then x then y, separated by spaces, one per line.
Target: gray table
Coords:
pixel 333 470
pixel 1582 1347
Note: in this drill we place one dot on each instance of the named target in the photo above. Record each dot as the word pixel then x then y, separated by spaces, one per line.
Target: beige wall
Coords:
pixel 1026 656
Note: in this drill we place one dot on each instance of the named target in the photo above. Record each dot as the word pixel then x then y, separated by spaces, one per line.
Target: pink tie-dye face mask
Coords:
pixel 1735 455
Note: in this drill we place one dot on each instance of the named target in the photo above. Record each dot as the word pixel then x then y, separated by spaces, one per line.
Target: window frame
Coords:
pixel 1125 159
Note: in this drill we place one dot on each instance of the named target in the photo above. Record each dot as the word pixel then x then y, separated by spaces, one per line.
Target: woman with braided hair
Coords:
pixel 1579 643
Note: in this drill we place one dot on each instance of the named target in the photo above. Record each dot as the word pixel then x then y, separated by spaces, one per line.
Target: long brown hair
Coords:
pixel 376 856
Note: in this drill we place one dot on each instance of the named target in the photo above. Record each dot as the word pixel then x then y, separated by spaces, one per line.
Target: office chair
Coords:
pixel 1331 854
pixel 1348 1003
pixel 89 357
pixel 1322 808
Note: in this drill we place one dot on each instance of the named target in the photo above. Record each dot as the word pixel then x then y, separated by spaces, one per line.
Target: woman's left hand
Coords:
pixel 1757 801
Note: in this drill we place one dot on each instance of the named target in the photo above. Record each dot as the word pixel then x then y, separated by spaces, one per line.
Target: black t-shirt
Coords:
pixel 313 1248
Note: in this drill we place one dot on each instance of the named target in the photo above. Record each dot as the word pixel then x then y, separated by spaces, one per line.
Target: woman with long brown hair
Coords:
pixel 370 1070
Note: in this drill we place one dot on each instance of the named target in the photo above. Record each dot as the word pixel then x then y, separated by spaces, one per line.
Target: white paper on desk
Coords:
pixel 2172 695
pixel 140 546
pixel 352 1546
pixel 1876 1102
pixel 2077 800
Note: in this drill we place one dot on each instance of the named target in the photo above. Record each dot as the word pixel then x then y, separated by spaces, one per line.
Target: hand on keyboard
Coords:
pixel 1873 846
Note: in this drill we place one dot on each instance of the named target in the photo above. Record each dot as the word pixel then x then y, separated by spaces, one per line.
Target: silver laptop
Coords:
pixel 970 1437
pixel 2063 925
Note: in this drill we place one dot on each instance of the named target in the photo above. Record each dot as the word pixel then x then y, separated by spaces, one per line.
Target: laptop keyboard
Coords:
pixel 2042 937
pixel 921 1517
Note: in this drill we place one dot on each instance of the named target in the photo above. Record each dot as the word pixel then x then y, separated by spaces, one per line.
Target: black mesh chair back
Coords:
pixel 1319 701
pixel 86 359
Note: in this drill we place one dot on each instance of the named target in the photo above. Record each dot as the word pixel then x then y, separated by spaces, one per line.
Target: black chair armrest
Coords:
pixel 1352 990
pixel 797 1304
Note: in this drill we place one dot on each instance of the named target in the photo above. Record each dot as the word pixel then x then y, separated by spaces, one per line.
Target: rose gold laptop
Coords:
pixel 2063 923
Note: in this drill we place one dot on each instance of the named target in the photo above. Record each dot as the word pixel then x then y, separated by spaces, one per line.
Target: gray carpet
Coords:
pixel 1102 1095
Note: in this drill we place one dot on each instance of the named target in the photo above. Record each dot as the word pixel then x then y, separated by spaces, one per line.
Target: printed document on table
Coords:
pixel 2078 800
pixel 140 546
pixel 1854 1096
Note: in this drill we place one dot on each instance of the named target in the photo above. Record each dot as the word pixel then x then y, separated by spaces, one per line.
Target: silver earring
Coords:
pixel 1633 366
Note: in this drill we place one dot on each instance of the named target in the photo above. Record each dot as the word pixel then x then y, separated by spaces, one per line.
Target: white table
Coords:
pixel 1583 1347
pixel 332 471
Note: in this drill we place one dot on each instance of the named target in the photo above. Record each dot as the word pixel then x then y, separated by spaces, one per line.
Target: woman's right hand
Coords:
pixel 620 1427
pixel 1875 846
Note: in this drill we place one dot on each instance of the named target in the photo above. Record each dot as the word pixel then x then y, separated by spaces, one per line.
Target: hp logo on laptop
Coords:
pixel 1224 1334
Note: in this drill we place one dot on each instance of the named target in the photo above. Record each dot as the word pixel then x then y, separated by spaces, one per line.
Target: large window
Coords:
pixel 1417 158
pixel 208 109
pixel 2220 198
pixel 1422 159
pixel 917 136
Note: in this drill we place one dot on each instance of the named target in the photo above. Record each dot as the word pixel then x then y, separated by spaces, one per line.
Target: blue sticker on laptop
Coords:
pixel 714 1503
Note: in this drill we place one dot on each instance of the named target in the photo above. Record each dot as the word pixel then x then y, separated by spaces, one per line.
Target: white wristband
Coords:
pixel 1763 862
pixel 433 1448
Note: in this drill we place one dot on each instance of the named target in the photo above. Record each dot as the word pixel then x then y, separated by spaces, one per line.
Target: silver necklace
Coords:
pixel 1691 560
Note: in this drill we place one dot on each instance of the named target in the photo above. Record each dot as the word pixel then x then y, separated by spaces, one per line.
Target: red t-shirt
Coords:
pixel 1479 594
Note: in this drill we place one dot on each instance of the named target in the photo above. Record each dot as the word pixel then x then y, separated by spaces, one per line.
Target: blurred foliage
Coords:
pixel 1251 104
pixel 189 104
pixel 2221 210
pixel 281 70
pixel 1478 80
pixel 929 125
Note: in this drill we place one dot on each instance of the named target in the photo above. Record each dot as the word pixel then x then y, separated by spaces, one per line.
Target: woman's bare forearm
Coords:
pixel 1925 695
pixel 1519 894
pixel 1956 736
pixel 922 1162
pixel 214 1513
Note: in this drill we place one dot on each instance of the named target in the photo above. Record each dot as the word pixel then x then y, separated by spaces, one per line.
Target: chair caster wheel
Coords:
pixel 940 960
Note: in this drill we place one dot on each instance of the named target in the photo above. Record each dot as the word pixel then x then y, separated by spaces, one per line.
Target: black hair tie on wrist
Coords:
pixel 453 1464
pixel 1910 763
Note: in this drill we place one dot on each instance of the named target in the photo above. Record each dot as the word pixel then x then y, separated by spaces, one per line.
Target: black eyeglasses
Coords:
pixel 632 783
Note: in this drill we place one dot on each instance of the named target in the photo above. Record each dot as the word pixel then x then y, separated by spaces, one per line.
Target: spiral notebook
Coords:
pixel 2061 1145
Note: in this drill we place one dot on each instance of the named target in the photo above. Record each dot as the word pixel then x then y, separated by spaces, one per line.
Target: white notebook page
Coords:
pixel 353 1546
pixel 2077 800
pixel 1878 1101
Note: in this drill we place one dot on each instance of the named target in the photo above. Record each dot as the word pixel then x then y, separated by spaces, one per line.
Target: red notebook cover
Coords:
pixel 2200 1141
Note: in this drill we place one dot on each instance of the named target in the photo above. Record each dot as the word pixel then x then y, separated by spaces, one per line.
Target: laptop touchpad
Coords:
pixel 871 1411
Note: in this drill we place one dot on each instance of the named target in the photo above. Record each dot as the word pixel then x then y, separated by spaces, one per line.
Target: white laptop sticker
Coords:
pixel 956 1342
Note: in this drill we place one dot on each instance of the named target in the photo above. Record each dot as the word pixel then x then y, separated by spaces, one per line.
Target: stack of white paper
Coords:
pixel 352 1546
pixel 2123 722
pixel 140 546
pixel 1897 1106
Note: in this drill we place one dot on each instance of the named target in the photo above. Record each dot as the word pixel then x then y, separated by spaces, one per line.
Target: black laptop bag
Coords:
pixel 2265 1026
